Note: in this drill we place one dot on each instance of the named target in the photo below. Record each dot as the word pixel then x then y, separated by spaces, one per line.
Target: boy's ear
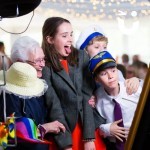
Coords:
pixel 96 79
pixel 49 39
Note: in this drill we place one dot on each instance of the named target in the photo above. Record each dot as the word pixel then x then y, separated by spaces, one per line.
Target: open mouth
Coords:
pixel 67 49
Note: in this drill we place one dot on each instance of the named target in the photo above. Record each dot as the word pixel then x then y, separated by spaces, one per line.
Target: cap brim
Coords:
pixel 105 66
pixel 109 64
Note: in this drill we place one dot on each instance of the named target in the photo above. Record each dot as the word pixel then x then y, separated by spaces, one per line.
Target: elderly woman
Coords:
pixel 28 104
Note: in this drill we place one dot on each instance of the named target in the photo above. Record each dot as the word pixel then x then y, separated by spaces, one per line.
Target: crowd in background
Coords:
pixel 133 67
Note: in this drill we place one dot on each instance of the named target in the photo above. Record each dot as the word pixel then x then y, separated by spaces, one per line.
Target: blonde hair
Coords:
pixel 99 38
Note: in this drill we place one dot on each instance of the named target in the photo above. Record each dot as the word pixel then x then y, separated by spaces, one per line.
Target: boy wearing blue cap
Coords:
pixel 113 100
pixel 93 40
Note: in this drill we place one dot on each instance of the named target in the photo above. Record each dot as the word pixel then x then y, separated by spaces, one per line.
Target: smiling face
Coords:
pixel 108 78
pixel 63 39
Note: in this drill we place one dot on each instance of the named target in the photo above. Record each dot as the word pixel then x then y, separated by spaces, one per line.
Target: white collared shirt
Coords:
pixel 105 106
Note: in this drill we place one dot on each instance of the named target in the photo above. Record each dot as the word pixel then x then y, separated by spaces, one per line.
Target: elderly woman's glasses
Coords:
pixel 37 61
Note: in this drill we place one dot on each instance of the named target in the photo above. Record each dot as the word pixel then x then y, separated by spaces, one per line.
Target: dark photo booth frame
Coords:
pixel 17 8
pixel 139 135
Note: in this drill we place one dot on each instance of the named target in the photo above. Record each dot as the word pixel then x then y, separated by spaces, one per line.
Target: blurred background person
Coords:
pixel 141 69
pixel 130 72
pixel 135 58
pixel 122 68
pixel 125 60
pixel 7 60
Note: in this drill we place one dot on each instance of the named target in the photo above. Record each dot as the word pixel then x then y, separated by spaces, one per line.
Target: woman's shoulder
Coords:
pixel 83 56
pixel 46 69
pixel 46 73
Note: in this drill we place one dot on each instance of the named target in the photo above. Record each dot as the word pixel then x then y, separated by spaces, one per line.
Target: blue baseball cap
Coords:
pixel 102 61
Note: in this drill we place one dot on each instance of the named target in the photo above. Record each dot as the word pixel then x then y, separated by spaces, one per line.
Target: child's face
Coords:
pixel 95 48
pixel 63 39
pixel 108 78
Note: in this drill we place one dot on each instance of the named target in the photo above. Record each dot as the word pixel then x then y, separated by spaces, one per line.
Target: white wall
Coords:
pixel 136 43
pixel 119 43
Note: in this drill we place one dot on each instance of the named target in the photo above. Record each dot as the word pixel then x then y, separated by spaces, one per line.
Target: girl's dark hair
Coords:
pixel 50 28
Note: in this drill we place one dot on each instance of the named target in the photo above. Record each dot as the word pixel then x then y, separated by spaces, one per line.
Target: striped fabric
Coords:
pixel 26 130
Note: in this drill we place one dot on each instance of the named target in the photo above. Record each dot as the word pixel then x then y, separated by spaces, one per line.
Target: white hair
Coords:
pixel 22 48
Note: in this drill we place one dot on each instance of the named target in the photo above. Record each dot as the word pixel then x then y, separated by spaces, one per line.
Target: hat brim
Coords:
pixel 37 89
pixel 105 66
pixel 108 65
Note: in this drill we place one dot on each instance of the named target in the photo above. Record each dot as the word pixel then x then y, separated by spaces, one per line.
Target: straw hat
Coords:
pixel 22 80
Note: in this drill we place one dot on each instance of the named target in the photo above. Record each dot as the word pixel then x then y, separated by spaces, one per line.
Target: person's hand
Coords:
pixel 132 85
pixel 89 145
pixel 117 131
pixel 92 101
pixel 54 127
